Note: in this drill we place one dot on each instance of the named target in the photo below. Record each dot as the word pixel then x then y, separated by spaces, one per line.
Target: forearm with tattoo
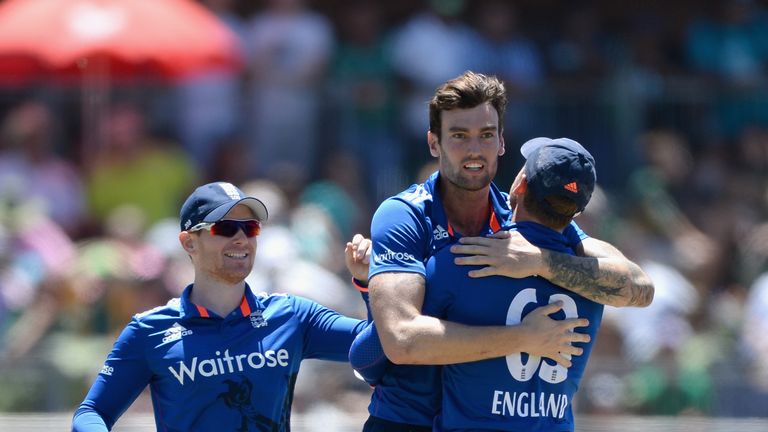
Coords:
pixel 609 281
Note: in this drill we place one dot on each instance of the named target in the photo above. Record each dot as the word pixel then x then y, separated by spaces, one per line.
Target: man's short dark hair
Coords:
pixel 468 90
pixel 554 211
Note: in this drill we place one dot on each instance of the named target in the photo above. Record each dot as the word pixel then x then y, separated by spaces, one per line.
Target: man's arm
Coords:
pixel 123 377
pixel 600 273
pixel 408 337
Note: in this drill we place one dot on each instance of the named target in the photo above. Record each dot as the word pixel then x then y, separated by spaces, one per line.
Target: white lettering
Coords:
pixel 389 255
pixel 534 413
pixel 228 358
pixel 522 407
pixel 260 357
pixel 215 366
pixel 282 357
pixel 509 404
pixel 270 355
pixel 553 406
pixel 183 370
pixel 211 372
pixel 524 371
pixel 564 401
pixel 529 404
pixel 496 402
pixel 218 361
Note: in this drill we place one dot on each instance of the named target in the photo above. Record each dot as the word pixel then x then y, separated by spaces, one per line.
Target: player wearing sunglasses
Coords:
pixel 220 357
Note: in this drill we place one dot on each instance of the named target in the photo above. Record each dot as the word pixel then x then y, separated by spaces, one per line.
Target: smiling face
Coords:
pixel 222 259
pixel 468 147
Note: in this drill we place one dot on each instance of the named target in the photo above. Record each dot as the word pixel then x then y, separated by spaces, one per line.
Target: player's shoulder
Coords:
pixel 169 311
pixel 277 300
pixel 288 304
pixel 416 199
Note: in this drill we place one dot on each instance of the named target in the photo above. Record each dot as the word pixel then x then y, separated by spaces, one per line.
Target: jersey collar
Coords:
pixel 248 304
pixel 498 201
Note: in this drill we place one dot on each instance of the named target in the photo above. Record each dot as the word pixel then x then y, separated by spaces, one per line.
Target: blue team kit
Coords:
pixel 519 392
pixel 407 230
pixel 211 373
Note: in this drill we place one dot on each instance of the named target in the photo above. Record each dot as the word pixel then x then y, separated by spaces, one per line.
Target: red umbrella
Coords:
pixel 129 37
pixel 96 41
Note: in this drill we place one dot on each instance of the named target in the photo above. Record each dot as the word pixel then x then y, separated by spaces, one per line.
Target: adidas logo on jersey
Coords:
pixel 440 233
pixel 175 332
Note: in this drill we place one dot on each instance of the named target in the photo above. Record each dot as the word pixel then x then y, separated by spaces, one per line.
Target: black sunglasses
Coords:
pixel 229 228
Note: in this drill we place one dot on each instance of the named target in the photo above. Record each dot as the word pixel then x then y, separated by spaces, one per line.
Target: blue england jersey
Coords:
pixel 207 372
pixel 406 231
pixel 518 392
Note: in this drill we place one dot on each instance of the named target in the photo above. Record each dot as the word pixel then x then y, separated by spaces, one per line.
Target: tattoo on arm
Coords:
pixel 617 284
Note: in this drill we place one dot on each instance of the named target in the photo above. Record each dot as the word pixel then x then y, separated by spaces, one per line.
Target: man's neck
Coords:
pixel 520 214
pixel 218 297
pixel 467 211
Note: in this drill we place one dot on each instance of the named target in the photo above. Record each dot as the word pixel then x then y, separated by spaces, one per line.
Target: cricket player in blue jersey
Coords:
pixel 220 357
pixel 518 392
pixel 465 134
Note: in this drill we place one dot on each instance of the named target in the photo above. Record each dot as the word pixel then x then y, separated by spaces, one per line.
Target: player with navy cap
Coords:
pixel 519 391
pixel 466 136
pixel 220 357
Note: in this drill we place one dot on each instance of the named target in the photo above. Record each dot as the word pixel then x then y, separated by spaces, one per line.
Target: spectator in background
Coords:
pixel 30 168
pixel 208 103
pixel 432 46
pixel 581 48
pixel 36 257
pixel 730 45
pixel 501 48
pixel 363 88
pixel 289 49
pixel 133 168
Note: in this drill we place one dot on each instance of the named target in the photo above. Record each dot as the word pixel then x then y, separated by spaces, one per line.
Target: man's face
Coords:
pixel 225 259
pixel 469 147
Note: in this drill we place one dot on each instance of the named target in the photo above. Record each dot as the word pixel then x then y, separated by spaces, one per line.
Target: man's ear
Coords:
pixel 520 185
pixel 434 142
pixel 502 146
pixel 187 241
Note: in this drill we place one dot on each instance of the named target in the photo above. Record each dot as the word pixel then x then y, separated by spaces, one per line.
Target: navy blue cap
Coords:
pixel 210 202
pixel 559 167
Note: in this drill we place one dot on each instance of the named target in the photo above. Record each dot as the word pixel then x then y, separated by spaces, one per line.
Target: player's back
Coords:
pixel 516 392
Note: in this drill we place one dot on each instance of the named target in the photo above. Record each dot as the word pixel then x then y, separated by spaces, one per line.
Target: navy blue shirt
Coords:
pixel 406 231
pixel 518 392
pixel 207 372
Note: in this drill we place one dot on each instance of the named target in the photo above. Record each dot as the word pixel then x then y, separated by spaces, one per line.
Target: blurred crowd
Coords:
pixel 328 117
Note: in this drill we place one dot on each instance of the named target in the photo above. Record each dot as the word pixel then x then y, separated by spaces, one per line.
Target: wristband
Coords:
pixel 361 286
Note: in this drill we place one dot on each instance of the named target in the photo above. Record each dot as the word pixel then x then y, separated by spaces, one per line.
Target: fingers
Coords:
pixel 360 248
pixel 572 323
pixel 365 255
pixel 472 260
pixel 483 272
pixel 548 309
pixel 562 360
pixel 481 241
